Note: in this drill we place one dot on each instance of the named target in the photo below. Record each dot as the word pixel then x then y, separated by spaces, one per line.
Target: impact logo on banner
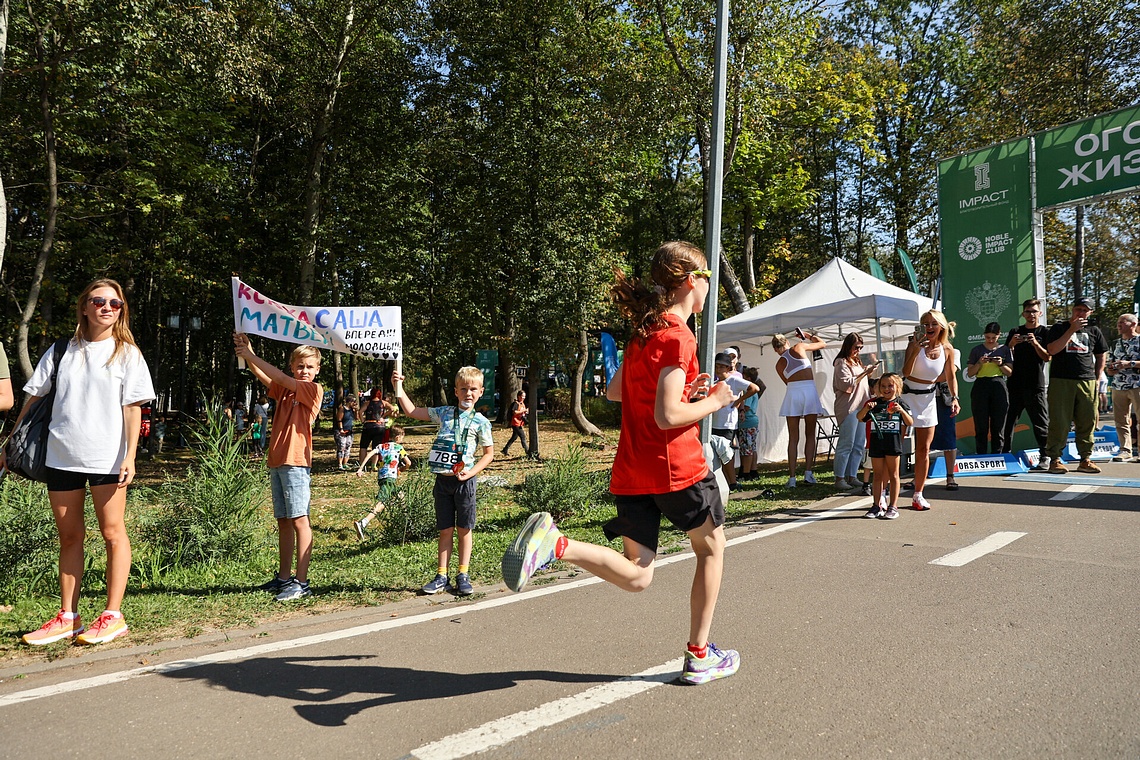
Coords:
pixel 982 176
pixel 372 331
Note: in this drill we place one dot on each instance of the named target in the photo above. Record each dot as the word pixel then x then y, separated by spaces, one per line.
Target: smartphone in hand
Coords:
pixel 800 334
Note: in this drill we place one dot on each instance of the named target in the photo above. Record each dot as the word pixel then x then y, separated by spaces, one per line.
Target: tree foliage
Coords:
pixel 485 165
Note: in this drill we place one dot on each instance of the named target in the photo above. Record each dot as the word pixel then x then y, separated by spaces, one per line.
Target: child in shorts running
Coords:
pixel 393 459
pixel 462 431
pixel 889 417
pixel 664 397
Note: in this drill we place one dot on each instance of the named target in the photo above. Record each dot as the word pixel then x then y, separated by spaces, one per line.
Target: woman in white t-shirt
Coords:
pixel 102 384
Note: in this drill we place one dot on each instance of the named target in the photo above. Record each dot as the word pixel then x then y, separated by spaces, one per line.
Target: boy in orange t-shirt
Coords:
pixel 290 459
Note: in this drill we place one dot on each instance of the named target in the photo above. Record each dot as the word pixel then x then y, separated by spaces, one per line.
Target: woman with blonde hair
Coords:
pixel 929 360
pixel 102 383
pixel 800 401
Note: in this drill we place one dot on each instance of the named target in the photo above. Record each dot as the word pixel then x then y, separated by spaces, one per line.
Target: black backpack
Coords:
pixel 26 449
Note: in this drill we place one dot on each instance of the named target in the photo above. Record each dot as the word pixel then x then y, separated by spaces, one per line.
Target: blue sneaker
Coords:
pixel 715 664
pixel 439 583
pixel 531 550
pixel 275 585
pixel 463 585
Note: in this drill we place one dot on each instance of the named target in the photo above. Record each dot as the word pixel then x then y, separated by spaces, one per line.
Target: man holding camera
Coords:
pixel 1078 349
pixel 1027 382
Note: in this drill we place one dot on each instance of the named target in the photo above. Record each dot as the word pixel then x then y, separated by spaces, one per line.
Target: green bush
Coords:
pixel 558 403
pixel 412 515
pixel 29 544
pixel 213 513
pixel 563 487
pixel 602 411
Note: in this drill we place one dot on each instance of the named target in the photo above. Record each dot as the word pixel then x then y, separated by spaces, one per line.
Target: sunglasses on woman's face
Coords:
pixel 100 302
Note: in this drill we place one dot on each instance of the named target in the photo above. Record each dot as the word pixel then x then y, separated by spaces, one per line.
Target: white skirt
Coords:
pixel 801 400
pixel 922 408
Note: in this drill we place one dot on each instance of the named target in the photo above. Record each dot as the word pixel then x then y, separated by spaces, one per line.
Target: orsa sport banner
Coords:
pixel 372 331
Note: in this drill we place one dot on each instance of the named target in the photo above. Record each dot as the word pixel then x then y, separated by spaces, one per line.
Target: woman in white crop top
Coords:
pixel 929 360
pixel 800 400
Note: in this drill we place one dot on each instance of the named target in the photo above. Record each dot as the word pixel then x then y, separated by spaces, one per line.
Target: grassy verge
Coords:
pixel 181 588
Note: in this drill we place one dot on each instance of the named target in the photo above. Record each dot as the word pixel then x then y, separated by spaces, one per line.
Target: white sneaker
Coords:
pixel 809 478
pixel 919 503
pixel 792 482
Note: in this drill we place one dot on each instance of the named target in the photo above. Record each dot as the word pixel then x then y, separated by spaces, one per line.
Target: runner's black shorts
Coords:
pixel 639 517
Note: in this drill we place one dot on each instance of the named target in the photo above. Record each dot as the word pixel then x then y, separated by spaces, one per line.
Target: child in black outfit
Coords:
pixel 889 417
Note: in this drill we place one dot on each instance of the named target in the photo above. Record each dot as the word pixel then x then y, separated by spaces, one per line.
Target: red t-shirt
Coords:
pixel 651 460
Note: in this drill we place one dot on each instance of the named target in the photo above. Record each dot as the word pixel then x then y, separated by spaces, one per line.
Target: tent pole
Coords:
pixel 879 335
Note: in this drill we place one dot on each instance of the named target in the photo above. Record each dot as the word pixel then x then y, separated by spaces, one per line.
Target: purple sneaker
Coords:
pixel 715 664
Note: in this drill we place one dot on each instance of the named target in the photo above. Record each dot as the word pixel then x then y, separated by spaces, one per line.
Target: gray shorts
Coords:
pixel 290 486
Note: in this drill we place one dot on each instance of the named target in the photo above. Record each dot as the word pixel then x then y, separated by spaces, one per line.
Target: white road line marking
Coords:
pixel 498 732
pixel 1073 493
pixel 978 549
pixel 80 684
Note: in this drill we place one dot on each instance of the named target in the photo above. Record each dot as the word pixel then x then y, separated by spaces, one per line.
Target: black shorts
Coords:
pixel 369 438
pixel 454 502
pixel 67 480
pixel 639 517
pixel 887 446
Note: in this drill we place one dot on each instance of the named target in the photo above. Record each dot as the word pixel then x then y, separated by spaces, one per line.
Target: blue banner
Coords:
pixel 609 356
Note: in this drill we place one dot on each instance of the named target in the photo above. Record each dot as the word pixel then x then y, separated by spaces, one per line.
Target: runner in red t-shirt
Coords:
pixel 660 466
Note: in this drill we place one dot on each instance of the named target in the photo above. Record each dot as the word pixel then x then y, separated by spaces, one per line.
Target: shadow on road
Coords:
pixel 318 683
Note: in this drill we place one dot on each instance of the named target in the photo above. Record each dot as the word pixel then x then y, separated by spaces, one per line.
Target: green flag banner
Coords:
pixel 909 267
pixel 986 239
pixel 877 270
pixel 1085 159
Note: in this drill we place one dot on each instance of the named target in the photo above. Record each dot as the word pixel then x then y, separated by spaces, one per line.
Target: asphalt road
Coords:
pixel 853 645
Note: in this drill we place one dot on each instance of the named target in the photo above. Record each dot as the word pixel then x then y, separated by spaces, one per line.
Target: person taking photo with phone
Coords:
pixel 989 364
pixel 801 401
pixel 1078 349
pixel 1026 383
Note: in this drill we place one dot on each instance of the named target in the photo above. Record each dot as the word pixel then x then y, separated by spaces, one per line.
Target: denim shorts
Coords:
pixel 290 486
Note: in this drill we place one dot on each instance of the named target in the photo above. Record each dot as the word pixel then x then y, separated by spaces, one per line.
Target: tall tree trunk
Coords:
pixel 51 212
pixel 749 249
pixel 4 6
pixel 338 365
pixel 1079 253
pixel 584 426
pixel 316 160
pixel 533 380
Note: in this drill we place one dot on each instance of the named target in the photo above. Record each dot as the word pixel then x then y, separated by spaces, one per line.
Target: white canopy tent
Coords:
pixel 836 300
